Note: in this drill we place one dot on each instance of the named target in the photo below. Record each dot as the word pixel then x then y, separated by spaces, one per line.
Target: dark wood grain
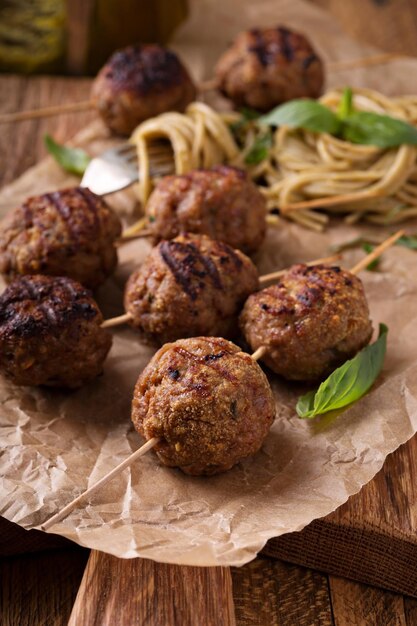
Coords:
pixel 21 145
pixel 357 605
pixel 139 591
pixel 280 594
pixel 40 589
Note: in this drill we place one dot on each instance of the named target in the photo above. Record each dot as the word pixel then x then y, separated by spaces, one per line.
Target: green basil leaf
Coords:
pixel 347 383
pixel 249 114
pixel 377 130
pixel 368 248
pixel 72 160
pixel 407 241
pixel 304 113
pixel 346 103
pixel 259 150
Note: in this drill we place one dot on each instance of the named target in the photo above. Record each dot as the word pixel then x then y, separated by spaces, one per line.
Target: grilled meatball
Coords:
pixel 210 404
pixel 139 82
pixel 313 320
pixel 189 286
pixel 50 333
pixel 221 203
pixel 265 67
pixel 69 232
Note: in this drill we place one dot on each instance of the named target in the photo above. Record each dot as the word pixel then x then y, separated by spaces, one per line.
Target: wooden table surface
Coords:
pixel 41 587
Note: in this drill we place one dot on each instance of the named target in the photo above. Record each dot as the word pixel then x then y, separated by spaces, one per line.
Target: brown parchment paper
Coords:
pixel 55 444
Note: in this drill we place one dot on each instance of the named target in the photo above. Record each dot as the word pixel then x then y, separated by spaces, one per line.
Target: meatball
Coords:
pixel 189 286
pixel 210 404
pixel 71 232
pixel 311 321
pixel 139 82
pixel 50 333
pixel 221 203
pixel 265 67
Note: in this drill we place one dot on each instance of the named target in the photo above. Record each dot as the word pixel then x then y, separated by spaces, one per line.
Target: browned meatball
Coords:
pixel 313 320
pixel 210 404
pixel 265 67
pixel 190 286
pixel 71 232
pixel 221 203
pixel 139 82
pixel 50 333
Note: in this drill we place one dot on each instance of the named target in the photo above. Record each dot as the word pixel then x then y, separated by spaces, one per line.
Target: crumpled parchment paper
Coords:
pixel 56 444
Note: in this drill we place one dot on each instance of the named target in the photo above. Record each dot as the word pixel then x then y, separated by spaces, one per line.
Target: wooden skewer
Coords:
pixel 259 353
pixel 273 275
pixel 126 238
pixel 122 319
pixel 206 85
pixel 117 321
pixel 103 481
pixel 377 59
pixel 151 443
pixel 46 111
pixel 376 252
pixel 71 107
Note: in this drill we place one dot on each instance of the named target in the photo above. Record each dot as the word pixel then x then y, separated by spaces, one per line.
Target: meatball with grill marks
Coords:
pixel 71 232
pixel 50 333
pixel 140 82
pixel 311 321
pixel 209 403
pixel 189 286
pixel 266 67
pixel 221 203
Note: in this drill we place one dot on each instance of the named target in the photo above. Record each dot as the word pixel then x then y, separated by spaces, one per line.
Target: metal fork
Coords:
pixel 117 168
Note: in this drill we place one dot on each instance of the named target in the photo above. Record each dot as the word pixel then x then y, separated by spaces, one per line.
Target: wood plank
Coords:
pixel 279 594
pixel 139 591
pixel 372 537
pixel 26 138
pixel 40 588
pixel 357 605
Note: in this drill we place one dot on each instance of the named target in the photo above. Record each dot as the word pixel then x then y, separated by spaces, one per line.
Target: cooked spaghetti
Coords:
pixel 306 175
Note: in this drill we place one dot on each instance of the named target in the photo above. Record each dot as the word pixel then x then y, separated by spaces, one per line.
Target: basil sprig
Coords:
pixel 304 113
pixel 347 383
pixel 260 149
pixel 73 160
pixel 361 127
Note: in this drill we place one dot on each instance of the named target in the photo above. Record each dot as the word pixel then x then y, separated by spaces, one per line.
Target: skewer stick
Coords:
pixel 363 263
pixel 377 59
pixel 376 252
pixel 206 85
pixel 126 238
pixel 117 321
pixel 151 443
pixel 259 353
pixel 32 114
pixel 103 481
pixel 122 319
pixel 73 107
pixel 273 275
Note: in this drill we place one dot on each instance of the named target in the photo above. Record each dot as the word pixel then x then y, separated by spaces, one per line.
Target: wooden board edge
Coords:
pixel 361 554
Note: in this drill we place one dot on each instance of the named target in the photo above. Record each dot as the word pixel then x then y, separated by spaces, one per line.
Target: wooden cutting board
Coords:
pixel 372 538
